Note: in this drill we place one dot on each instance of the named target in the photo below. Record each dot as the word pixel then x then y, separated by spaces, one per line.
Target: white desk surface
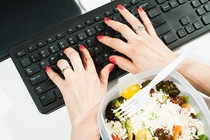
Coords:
pixel 19 118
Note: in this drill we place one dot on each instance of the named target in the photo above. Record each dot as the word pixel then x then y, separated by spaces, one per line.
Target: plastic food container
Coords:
pixel 195 99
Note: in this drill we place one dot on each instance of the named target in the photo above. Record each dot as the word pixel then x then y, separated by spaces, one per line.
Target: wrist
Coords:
pixel 86 127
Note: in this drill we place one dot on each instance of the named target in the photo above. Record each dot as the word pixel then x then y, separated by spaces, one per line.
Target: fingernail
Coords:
pixel 99 37
pixel 106 19
pixel 112 59
pixel 120 7
pixel 64 49
pixel 140 9
pixel 47 68
pixel 81 46
pixel 111 67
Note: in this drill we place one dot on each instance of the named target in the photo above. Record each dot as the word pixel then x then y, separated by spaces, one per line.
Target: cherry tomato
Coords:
pixel 115 137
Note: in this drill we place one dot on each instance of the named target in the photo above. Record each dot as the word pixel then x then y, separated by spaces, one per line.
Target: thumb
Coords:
pixel 124 63
pixel 104 74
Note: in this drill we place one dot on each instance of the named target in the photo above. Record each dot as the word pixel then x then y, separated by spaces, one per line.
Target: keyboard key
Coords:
pixel 173 3
pixel 207 7
pixel 158 21
pixel 99 27
pixel 117 18
pixel 35 58
pixel 44 64
pixel 107 55
pixel 182 1
pixel 99 60
pixel 197 25
pixel 91 42
pixel 109 13
pixel 98 50
pixel 44 53
pixel 109 32
pixel 33 69
pixel 71 30
pixel 25 62
pixel 82 36
pixel 189 29
pixel 160 1
pixel 54 49
pixel 126 5
pixel 133 2
pixel 206 19
pixel 20 53
pixel 184 20
pixel 200 11
pixel 62 55
pixel 181 33
pixel 53 59
pixel 58 93
pixel 43 87
pixel 134 11
pixel 203 1
pixel 91 32
pixel 98 18
pixel 63 44
pixel 89 22
pixel 169 38
pixel 92 54
pixel 115 10
pixel 48 98
pixel 154 12
pixel 162 29
pixel 32 48
pixel 51 39
pixel 42 44
pixel 73 40
pixel 60 35
pixel 80 26
pixel 148 5
pixel 165 7
pixel 38 78
pixel 195 3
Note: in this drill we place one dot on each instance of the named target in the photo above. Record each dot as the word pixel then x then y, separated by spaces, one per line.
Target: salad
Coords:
pixel 167 116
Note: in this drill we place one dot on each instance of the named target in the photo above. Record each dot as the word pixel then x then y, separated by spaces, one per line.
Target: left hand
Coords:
pixel 82 88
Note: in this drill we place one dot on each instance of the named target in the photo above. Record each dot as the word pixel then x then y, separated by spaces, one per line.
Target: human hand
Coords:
pixel 143 47
pixel 82 88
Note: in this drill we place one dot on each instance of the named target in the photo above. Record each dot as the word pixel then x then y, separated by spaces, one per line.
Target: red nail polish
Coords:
pixel 111 67
pixel 106 19
pixel 112 59
pixel 99 37
pixel 81 46
pixel 120 7
pixel 47 68
pixel 64 49
pixel 140 9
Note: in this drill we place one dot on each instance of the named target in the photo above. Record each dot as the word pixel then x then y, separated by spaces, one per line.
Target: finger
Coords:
pixel 124 63
pixel 115 43
pixel 147 23
pixel 87 60
pixel 126 32
pixel 74 58
pixel 104 74
pixel 65 68
pixel 132 20
pixel 54 77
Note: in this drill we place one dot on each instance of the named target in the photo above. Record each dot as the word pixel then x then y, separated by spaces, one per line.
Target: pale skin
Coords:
pixel 83 89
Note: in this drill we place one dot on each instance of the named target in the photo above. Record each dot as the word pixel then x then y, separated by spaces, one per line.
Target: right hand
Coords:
pixel 144 48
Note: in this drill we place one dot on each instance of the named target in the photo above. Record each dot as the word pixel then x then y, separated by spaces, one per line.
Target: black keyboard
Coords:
pixel 175 22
